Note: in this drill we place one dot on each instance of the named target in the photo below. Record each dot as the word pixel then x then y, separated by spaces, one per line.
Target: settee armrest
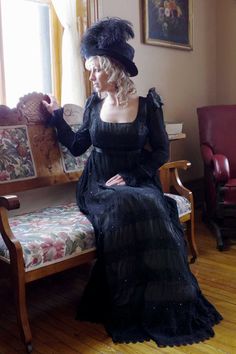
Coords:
pixel 172 178
pixel 221 170
pixel 10 202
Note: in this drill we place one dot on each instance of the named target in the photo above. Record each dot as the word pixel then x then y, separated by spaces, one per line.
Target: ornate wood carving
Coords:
pixel 45 142
pixel 10 116
pixel 31 108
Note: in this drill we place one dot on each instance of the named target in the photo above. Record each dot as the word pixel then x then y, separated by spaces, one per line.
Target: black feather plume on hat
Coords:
pixel 106 33
pixel 109 37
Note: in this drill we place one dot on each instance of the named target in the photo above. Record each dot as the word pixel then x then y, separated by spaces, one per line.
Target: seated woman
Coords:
pixel 141 286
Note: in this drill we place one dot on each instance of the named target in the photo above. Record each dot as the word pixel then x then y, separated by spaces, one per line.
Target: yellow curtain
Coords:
pixel 86 12
pixel 83 15
pixel 89 9
pixel 57 31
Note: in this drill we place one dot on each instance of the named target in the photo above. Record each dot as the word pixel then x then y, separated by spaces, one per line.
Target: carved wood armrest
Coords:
pixel 10 202
pixel 182 164
pixel 174 178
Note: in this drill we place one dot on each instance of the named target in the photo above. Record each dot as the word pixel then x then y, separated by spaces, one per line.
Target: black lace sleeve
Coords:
pixel 158 140
pixel 78 142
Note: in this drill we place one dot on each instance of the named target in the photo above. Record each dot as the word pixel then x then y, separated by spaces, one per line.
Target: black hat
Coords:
pixel 109 37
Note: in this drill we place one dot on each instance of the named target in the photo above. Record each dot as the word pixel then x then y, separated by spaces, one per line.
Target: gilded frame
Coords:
pixel 168 23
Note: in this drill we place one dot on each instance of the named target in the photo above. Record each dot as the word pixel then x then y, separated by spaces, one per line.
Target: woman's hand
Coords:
pixel 115 180
pixel 52 105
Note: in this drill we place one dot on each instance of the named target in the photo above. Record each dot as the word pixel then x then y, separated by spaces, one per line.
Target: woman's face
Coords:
pixel 99 77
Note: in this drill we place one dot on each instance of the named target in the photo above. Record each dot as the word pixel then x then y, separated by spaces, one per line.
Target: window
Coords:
pixel 31 46
pixel 26 49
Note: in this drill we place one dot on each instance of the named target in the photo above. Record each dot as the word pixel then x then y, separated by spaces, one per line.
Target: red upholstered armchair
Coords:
pixel 217 129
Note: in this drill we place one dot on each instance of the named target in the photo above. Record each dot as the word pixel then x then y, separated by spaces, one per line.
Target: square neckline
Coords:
pixel 121 123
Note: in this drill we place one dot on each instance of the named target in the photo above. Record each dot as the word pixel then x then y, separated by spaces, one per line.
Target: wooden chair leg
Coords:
pixel 215 227
pixel 190 232
pixel 21 309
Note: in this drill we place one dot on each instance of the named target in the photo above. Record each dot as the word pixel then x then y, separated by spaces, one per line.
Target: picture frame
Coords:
pixel 168 23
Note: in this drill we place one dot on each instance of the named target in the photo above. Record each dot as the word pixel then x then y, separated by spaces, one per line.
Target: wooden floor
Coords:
pixel 53 301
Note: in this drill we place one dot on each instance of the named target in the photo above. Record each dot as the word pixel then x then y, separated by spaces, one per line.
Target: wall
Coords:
pixel 185 79
pixel 226 51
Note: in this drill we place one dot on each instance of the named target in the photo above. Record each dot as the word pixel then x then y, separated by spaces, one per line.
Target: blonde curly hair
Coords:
pixel 116 73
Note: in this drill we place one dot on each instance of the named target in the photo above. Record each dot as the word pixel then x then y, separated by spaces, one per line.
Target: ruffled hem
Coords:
pixel 140 334
pixel 192 325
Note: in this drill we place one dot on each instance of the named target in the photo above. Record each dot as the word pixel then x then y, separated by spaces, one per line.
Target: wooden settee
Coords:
pixel 51 240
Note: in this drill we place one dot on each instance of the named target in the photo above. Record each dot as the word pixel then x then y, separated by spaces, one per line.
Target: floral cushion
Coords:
pixel 50 234
pixel 53 233
pixel 183 204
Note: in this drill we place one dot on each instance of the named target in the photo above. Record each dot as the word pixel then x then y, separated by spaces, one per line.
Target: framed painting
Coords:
pixel 168 23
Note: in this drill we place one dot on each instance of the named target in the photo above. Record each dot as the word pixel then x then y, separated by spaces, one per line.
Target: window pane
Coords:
pixel 26 48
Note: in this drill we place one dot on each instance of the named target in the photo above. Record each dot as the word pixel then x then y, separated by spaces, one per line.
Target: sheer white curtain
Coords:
pixel 73 85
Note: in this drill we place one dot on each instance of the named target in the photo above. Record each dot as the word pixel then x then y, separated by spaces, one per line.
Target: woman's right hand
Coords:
pixel 52 105
pixel 116 180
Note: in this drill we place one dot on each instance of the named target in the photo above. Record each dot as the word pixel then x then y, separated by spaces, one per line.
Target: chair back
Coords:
pixel 30 155
pixel 217 129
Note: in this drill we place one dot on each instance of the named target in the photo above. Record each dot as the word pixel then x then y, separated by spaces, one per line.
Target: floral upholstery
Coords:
pixel 16 160
pixel 54 233
pixel 50 234
pixel 183 204
pixel 73 163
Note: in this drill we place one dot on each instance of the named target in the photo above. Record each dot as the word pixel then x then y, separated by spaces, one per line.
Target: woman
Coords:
pixel 141 286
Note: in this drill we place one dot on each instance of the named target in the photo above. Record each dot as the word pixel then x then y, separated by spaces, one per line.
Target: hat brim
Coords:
pixel 128 64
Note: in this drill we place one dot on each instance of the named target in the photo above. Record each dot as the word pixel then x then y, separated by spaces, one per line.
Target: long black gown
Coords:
pixel 141 286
